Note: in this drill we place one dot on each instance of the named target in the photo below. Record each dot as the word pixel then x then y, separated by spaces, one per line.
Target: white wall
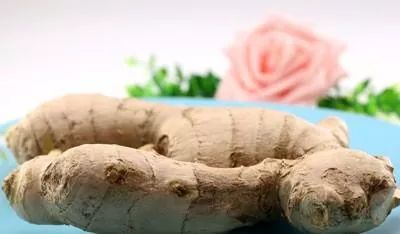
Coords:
pixel 50 47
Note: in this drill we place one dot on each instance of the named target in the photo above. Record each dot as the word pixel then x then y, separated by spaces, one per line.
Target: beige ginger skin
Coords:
pixel 116 189
pixel 211 170
pixel 238 136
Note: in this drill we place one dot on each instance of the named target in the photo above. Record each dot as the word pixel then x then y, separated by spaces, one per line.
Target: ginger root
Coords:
pixel 197 170
pixel 115 189
pixel 239 136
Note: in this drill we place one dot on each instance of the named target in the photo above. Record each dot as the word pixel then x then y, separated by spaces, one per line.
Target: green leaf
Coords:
pixel 208 85
pixel 135 91
pixel 179 74
pixel 162 83
pixel 160 76
pixel 341 103
pixel 358 107
pixel 142 91
pixel 194 86
pixel 131 61
pixel 384 104
pixel 160 79
pixel 203 85
pixel 371 108
pixel 150 91
pixel 360 88
pixel 326 102
pixel 172 90
pixel 388 100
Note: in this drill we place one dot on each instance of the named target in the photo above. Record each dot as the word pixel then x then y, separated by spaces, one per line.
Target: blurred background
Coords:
pixel 49 48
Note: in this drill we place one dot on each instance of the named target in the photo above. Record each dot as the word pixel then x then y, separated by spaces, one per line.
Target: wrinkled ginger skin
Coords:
pixel 339 191
pixel 239 136
pixel 115 189
pixel 73 120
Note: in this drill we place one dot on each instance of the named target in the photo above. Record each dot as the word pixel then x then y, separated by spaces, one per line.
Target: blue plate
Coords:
pixel 368 134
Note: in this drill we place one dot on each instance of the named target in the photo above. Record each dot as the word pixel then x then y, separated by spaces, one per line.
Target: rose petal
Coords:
pixel 239 56
pixel 281 61
pixel 279 23
pixel 318 77
pixel 230 89
pixel 288 83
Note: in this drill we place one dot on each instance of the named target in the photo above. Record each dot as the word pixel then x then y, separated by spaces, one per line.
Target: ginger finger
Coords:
pixel 338 128
pixel 239 136
pixel 114 189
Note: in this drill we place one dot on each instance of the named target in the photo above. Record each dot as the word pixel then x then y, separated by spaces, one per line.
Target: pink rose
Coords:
pixel 283 62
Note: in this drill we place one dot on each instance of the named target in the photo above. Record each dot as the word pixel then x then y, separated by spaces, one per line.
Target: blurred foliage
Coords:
pixel 364 99
pixel 166 82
